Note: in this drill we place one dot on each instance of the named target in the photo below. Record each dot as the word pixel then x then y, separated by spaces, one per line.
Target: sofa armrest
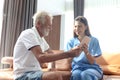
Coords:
pixel 7 60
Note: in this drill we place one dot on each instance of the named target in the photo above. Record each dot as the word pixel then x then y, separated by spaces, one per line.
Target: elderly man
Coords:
pixel 31 50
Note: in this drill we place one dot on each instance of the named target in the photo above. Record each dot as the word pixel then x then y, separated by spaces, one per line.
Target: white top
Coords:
pixel 24 59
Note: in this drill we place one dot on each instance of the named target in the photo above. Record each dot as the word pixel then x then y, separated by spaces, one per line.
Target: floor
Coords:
pixel 111 77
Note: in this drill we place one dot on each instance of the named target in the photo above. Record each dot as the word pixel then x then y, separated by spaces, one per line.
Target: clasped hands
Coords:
pixel 82 47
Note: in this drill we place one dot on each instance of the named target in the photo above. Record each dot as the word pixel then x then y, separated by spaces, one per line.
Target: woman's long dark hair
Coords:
pixel 85 22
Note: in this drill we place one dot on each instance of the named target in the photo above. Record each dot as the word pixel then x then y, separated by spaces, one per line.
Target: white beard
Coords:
pixel 45 32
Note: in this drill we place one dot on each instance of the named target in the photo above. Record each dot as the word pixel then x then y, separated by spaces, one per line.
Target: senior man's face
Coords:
pixel 47 27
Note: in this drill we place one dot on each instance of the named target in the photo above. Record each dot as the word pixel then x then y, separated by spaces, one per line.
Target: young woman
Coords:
pixel 84 67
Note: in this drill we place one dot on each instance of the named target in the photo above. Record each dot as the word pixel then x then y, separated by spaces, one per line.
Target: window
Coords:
pixel 104 21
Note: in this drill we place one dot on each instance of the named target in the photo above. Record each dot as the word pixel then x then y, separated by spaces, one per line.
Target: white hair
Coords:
pixel 41 16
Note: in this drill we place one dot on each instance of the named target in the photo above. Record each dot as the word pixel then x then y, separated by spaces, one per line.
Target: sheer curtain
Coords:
pixel 1 12
pixel 17 16
pixel 103 17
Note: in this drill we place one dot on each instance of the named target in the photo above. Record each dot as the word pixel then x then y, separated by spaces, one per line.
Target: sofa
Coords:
pixel 109 62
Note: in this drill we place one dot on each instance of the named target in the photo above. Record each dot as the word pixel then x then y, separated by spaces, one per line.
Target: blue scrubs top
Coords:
pixel 81 62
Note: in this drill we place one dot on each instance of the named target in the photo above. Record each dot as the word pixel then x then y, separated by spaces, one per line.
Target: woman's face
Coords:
pixel 79 28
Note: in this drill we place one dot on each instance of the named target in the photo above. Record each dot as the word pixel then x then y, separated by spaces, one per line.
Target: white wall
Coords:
pixel 104 22
pixel 69 19
pixel 63 8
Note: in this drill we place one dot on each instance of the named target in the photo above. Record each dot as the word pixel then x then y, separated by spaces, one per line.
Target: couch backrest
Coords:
pixel 109 58
pixel 110 63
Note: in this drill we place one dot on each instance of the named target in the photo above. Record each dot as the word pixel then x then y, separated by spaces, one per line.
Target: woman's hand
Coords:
pixel 85 48
pixel 85 40
pixel 87 53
